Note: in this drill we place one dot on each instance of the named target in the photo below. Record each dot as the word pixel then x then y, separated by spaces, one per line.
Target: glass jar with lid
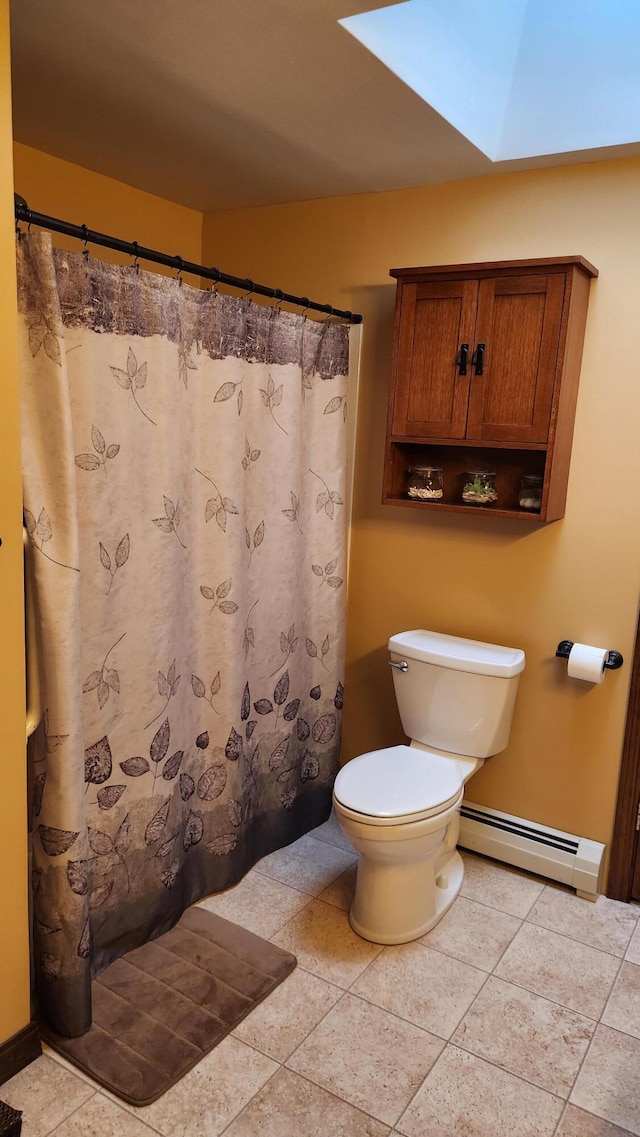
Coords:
pixel 425 483
pixel 478 487
pixel 530 495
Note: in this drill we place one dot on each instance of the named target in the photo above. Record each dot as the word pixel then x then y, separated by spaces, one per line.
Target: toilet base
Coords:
pixel 452 873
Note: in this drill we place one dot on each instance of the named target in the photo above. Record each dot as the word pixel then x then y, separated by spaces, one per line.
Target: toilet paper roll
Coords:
pixel 587 662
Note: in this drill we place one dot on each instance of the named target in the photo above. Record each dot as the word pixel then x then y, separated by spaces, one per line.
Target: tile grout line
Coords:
pixel 573 939
pixel 481 1058
pixel 343 992
pixel 442 951
pixel 586 1053
pixel 282 1067
pixel 290 919
pixel 133 1110
pixel 527 917
pixel 622 963
pixel 129 1108
pixel 554 1002
pixel 251 1099
pixel 334 1093
pixel 369 1003
pixel 519 1077
pixel 561 1118
pixel 487 976
pixel 294 887
pixel 504 911
pixel 327 841
pixel 63 1120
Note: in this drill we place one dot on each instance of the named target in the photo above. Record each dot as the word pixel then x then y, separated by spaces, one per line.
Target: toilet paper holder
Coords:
pixel 613 661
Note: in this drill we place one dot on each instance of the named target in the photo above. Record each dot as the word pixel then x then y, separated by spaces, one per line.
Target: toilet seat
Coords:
pixel 398 785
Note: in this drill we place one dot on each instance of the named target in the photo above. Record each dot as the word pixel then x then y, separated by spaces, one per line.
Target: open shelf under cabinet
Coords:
pixel 509 464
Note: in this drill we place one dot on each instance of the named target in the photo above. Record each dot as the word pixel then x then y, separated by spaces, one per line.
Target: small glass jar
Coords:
pixel 478 488
pixel 530 496
pixel 425 483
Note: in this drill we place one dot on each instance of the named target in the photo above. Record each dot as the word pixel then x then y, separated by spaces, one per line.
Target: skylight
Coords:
pixel 519 78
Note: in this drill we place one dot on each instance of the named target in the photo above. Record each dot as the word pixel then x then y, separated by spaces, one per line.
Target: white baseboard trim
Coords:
pixel 575 861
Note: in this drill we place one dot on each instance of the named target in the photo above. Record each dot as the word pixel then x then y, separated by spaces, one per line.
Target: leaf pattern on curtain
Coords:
pixel 190 588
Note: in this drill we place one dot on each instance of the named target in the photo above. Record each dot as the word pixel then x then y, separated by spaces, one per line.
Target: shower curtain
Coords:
pixel 184 488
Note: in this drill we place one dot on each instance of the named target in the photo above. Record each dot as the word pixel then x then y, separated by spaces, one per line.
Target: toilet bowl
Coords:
pixel 400 806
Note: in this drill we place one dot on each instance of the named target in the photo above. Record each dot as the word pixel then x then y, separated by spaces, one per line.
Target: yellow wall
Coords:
pixel 14 949
pixel 61 190
pixel 491 579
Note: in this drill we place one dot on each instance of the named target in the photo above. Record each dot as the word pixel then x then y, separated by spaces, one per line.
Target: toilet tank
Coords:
pixel 455 694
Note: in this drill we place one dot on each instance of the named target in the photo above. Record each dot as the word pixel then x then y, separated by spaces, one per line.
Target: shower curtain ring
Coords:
pixel 279 296
pixel 307 303
pixel 85 239
pixel 136 257
pixel 179 267
pixel 250 290
pixel 213 287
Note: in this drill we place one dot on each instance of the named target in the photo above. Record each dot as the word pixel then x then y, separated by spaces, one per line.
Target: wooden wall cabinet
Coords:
pixel 486 365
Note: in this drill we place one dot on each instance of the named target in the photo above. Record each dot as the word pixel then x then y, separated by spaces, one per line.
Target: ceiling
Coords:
pixel 221 104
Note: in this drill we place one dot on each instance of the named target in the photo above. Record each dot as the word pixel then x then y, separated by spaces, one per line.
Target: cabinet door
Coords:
pixel 519 321
pixel 431 396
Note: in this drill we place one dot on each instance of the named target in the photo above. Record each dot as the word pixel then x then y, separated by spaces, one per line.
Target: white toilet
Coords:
pixel 400 807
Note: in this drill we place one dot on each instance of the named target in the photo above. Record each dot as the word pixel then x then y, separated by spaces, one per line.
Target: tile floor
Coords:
pixel 518 1015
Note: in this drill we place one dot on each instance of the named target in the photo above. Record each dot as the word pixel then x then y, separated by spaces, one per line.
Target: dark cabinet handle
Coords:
pixel 478 358
pixel 461 360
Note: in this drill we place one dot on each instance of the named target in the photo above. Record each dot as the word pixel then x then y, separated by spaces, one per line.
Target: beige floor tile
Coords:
pixel 499 886
pixel 368 1057
pixel 258 903
pixel 207 1099
pixel 324 944
pixel 332 833
pixel 46 1049
pixel 279 1024
pixel 607 924
pixel 473 933
pixel 101 1117
pixel 307 864
pixel 340 892
pixel 623 1009
pixel 526 1035
pixel 465 1095
pixel 569 972
pixel 577 1123
pixel 609 1081
pixel 290 1106
pixel 424 986
pixel 633 951
pixel 47 1093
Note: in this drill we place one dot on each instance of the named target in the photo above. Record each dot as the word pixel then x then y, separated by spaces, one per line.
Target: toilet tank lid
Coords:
pixel 458 654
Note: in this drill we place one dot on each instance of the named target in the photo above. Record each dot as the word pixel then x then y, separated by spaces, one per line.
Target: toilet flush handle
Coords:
pixel 402 666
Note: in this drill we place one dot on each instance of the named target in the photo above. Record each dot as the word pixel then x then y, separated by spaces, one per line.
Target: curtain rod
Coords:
pixel 139 252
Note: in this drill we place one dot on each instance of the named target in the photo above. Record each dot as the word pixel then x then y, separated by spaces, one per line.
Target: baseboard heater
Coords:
pixel 572 860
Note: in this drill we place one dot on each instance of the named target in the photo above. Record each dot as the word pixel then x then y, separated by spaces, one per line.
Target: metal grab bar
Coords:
pixel 34 704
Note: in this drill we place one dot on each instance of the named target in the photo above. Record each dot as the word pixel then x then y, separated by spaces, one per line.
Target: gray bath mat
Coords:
pixel 159 1009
